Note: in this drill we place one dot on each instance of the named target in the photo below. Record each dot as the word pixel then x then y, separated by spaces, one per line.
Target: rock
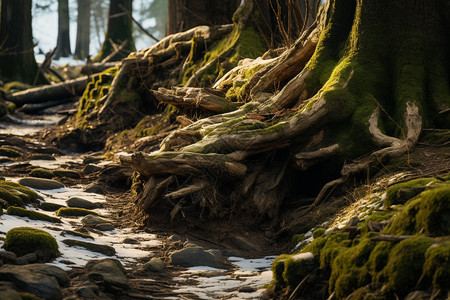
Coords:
pixel 59 274
pixel 25 240
pixel 88 291
pixel 216 252
pixel 48 206
pixel 108 272
pixel 67 173
pixel 49 150
pixel 40 285
pixel 42 157
pixel 92 220
pixel 190 245
pixel 94 188
pixel 155 265
pixel 76 233
pixel 81 203
pixel 103 249
pixel 104 227
pixel 246 289
pixel 174 238
pixel 89 169
pixel 130 241
pixel 40 183
pixel 31 214
pixel 195 256
pixel 91 159
pixel 16 141
pixel 8 257
pixel 41 173
pixel 9 293
pixel 74 212
pixel 243 243
pixel 9 152
pixel 231 252
pixel 27 259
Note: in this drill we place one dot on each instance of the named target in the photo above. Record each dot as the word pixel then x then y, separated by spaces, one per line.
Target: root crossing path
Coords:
pixel 90 214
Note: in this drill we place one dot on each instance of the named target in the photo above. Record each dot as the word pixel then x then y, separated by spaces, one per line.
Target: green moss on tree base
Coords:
pixel 24 240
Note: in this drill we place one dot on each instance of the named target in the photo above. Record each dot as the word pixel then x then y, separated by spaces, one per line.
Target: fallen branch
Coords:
pixel 389 238
pixel 47 93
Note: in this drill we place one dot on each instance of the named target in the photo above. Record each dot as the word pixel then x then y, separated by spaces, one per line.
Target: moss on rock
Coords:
pixel 16 194
pixel 33 215
pixel 74 212
pixel 41 173
pixel 24 240
pixel 437 264
pixel 9 152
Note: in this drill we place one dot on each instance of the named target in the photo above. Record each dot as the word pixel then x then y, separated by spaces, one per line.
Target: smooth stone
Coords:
pixel 8 257
pixel 109 272
pixel 104 227
pixel 89 169
pixel 94 188
pixel 16 141
pixel 42 157
pixel 130 241
pixel 48 206
pixel 80 203
pixel 59 274
pixel 156 265
pixel 103 249
pixel 40 183
pixel 40 285
pixel 194 256
pixel 91 220
pixel 86 292
pixel 246 289
pixel 27 259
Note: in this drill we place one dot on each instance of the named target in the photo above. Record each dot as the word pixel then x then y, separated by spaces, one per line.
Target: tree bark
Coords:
pixel 63 43
pixel 83 29
pixel 186 14
pixel 119 31
pixel 16 43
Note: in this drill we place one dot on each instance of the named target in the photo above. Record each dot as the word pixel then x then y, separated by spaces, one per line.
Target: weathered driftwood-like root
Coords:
pixel 194 98
pixel 63 90
pixel 184 164
pixel 305 160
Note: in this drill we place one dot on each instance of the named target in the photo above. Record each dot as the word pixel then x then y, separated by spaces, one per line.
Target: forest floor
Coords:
pixel 249 248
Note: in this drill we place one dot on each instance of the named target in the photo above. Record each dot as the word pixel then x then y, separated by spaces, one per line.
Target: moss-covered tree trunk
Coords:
pixel 118 37
pixel 17 60
pixel 63 41
pixel 83 29
pixel 184 14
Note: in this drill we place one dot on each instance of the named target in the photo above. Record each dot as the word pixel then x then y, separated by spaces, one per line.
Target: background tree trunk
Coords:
pixel 63 44
pixel 119 31
pixel 184 14
pixel 17 60
pixel 83 29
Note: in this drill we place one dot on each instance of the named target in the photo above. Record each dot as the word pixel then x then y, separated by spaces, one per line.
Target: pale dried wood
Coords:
pixel 198 186
pixel 305 160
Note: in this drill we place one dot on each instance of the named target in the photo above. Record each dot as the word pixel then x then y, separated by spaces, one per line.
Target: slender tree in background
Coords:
pixel 17 60
pixel 83 29
pixel 63 43
pixel 185 14
pixel 119 32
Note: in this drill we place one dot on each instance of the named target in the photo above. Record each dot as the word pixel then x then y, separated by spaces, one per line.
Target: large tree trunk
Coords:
pixel 184 14
pixel 83 29
pixel 63 43
pixel 118 39
pixel 16 43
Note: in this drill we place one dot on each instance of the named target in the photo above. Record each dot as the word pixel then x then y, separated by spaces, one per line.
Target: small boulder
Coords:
pixel 94 188
pixel 67 173
pixel 8 257
pixel 9 293
pixel 108 272
pixel 31 214
pixel 155 265
pixel 41 183
pixel 103 249
pixel 48 206
pixel 195 256
pixel 89 169
pixel 40 285
pixel 74 212
pixel 59 274
pixel 81 203
pixel 27 259
pixel 25 240
pixel 92 220
pixel 104 227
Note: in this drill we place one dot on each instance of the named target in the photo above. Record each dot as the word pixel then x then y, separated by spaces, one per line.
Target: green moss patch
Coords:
pixel 41 173
pixel 402 192
pixel 437 264
pixel 16 194
pixel 24 240
pixel 74 212
pixel 48 206
pixel 33 215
